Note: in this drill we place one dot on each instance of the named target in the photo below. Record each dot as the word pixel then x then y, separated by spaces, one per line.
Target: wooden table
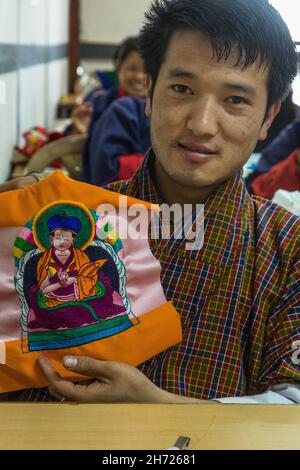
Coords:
pixel 138 426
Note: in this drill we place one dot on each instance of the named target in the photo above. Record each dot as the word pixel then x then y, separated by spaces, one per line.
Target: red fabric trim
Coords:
pixel 121 92
pixel 284 175
pixel 129 164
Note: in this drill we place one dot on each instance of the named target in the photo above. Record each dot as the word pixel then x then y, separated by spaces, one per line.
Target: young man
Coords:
pixel 217 72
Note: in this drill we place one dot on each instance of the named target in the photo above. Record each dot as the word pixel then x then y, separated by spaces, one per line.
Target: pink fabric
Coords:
pixel 27 235
pixel 10 316
pixel 143 270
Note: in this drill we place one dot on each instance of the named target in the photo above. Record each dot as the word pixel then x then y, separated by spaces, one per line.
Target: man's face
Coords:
pixel 206 116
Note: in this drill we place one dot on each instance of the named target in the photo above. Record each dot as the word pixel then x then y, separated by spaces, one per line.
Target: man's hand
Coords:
pixel 111 382
pixel 18 183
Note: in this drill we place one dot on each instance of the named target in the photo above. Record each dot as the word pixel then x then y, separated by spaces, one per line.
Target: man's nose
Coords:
pixel 203 119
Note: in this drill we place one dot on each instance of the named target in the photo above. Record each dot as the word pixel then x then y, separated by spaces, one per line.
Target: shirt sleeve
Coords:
pixel 279 377
pixel 280 361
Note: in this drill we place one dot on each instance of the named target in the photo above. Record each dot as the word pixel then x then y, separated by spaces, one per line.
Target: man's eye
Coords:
pixel 236 100
pixel 182 89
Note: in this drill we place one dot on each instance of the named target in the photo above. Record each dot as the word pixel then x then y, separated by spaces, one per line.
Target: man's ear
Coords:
pixel 148 95
pixel 272 113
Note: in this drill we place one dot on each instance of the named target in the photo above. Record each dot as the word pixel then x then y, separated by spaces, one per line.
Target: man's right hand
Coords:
pixel 18 183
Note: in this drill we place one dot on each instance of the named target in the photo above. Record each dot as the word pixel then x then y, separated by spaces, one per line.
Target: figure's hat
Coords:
pixel 62 222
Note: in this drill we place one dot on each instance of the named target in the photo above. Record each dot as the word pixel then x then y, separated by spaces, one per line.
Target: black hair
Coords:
pixel 129 45
pixel 254 27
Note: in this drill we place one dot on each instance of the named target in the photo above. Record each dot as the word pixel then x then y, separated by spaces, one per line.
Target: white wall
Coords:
pixel 56 87
pixel 289 10
pixel 109 22
pixel 32 92
pixel 8 122
pixel 8 21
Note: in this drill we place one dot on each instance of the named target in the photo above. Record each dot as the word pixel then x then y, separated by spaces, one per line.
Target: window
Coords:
pixel 289 10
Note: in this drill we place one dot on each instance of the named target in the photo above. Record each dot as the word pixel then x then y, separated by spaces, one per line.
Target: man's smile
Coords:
pixel 196 153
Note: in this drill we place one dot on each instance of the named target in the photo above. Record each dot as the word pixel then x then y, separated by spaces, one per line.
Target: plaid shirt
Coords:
pixel 238 296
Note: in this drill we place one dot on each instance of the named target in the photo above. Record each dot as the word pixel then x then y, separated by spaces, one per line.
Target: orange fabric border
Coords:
pixel 158 329
pixel 25 203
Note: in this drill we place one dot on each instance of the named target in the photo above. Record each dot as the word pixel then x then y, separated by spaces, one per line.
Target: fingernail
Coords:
pixel 70 362
pixel 43 361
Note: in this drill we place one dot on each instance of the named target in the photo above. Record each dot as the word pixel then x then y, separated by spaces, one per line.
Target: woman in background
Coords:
pixel 131 78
